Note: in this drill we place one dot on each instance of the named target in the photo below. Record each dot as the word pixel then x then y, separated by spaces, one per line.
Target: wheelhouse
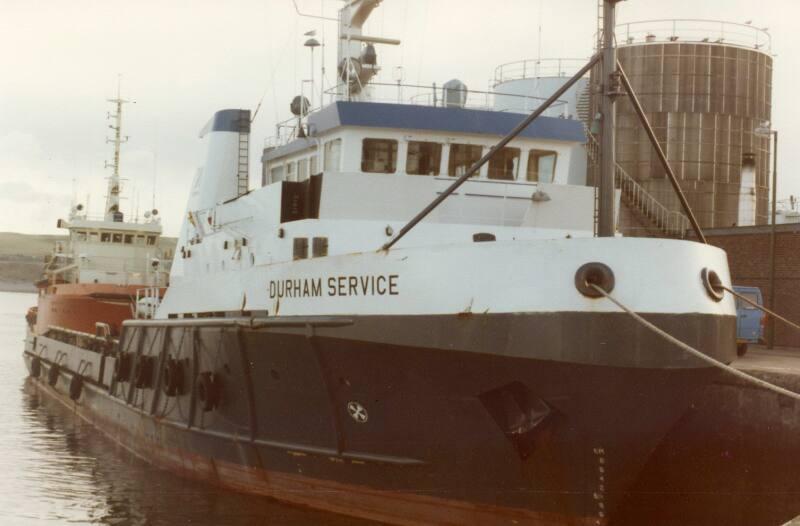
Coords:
pixel 407 140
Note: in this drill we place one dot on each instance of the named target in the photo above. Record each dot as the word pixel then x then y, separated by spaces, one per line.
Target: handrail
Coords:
pixel 670 222
pixel 694 30
pixel 417 95
pixel 155 221
pixel 148 300
pixel 538 67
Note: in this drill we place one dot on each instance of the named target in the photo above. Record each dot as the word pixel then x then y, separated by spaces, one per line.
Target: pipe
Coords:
pixel 772 239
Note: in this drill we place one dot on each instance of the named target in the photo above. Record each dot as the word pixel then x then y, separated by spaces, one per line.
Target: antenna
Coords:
pixel 322 60
pixel 112 212
pixel 155 176
pixel 136 208
pixel 324 18
pixel 539 44
pixel 74 192
pixel 312 43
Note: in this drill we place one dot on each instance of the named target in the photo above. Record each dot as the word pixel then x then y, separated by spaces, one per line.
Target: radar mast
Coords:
pixel 112 212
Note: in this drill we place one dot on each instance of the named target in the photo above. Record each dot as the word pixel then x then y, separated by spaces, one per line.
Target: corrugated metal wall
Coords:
pixel 704 100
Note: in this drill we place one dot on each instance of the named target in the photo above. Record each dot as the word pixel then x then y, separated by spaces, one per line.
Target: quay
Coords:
pixel 737 438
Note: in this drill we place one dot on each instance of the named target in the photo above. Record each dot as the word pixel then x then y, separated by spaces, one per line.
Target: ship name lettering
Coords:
pixel 338 286
pixel 295 288
pixel 380 285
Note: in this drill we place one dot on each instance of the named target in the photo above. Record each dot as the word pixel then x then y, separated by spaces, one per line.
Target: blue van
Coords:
pixel 749 320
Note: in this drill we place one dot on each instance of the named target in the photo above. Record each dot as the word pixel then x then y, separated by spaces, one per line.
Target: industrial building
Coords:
pixel 706 87
pixel 748 251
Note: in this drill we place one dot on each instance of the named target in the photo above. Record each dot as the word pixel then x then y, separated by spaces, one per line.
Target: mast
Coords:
pixel 112 212
pixel 611 90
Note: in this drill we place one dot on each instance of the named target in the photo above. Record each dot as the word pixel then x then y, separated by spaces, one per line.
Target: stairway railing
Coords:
pixel 670 222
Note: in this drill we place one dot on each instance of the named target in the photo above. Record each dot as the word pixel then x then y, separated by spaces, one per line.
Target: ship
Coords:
pixel 107 270
pixel 315 347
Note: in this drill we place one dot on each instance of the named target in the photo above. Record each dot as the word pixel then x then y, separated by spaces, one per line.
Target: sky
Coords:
pixel 182 60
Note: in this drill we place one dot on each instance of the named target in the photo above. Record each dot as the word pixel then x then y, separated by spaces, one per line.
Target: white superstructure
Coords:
pixel 308 242
pixel 109 249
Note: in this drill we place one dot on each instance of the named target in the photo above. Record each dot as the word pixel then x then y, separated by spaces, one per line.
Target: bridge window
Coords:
pixel 542 166
pixel 105 237
pixel 313 165
pixel 333 155
pixel 117 238
pixel 505 164
pixel 424 158
pixel 128 239
pixel 302 170
pixel 291 172
pixel 379 156
pixel 93 237
pixel 151 240
pixel 462 157
pixel 276 174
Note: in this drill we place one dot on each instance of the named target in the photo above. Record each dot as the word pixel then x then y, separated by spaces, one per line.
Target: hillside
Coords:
pixel 22 258
pixel 12 244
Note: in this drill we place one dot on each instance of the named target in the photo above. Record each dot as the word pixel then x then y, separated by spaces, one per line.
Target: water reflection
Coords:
pixel 71 473
pixel 80 476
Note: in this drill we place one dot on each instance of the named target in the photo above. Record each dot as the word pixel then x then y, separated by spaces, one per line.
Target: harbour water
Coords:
pixel 56 469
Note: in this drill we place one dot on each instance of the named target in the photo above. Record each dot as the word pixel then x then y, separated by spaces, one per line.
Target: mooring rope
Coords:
pixel 760 307
pixel 694 352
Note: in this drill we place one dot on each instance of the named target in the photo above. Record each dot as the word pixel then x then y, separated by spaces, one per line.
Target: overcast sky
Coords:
pixel 181 60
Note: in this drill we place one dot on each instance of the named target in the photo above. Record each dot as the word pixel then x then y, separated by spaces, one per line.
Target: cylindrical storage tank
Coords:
pixel 521 87
pixel 705 100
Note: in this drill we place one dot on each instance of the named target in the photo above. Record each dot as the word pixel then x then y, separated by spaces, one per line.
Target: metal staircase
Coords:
pixel 669 222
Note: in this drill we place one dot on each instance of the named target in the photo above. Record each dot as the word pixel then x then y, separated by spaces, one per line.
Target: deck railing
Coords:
pixel 433 95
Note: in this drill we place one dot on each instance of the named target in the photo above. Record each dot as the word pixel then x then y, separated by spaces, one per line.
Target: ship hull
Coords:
pixel 484 426
pixel 80 306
